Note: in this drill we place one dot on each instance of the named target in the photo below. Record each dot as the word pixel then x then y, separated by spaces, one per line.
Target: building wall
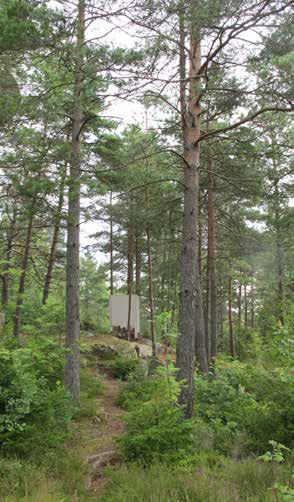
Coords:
pixel 118 310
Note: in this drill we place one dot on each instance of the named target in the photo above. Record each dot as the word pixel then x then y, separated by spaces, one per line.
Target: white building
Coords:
pixel 118 311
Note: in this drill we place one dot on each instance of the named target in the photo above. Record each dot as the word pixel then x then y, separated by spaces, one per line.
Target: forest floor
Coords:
pixel 107 427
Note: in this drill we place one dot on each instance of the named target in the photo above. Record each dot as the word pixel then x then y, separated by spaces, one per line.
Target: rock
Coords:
pixel 109 347
pixel 100 460
pixel 144 350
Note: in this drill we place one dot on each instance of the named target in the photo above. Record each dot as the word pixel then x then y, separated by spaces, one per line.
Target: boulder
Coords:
pixel 109 347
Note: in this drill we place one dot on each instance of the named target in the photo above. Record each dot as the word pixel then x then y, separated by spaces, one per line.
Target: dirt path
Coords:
pixel 108 427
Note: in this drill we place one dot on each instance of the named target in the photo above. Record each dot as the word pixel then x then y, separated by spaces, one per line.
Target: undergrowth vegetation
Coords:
pixel 227 482
pixel 223 453
pixel 35 408
pixel 239 409
pixel 235 447
pixel 40 430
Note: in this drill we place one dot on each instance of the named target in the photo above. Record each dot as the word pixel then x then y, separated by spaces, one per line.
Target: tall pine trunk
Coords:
pixel 6 276
pixel 239 303
pixel 138 258
pixel 221 316
pixel 206 302
pixel 150 277
pixel 130 277
pixel 252 301
pixel 211 263
pixel 279 254
pixel 24 269
pixel 245 306
pixel 52 256
pixel 230 316
pixel 72 368
pixel 191 339
pixel 199 249
pixel 111 243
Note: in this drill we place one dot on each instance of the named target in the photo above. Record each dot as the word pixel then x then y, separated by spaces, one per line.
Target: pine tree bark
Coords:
pixel 200 246
pixel 138 257
pixel 211 263
pixel 52 256
pixel 231 323
pixel 111 244
pixel 24 269
pixel 252 301
pixel 130 276
pixel 72 367
pixel 191 339
pixel 239 303
pixel 279 254
pixel 207 311
pixel 221 316
pixel 150 278
pixel 245 306
pixel 6 277
pixel 163 274
pixel 169 272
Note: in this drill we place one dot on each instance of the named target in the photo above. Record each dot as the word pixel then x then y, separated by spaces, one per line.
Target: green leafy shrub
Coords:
pixel 247 401
pixel 278 455
pixel 35 408
pixel 156 429
pixel 91 386
pixel 248 344
pixel 279 347
pixel 123 368
pixel 138 388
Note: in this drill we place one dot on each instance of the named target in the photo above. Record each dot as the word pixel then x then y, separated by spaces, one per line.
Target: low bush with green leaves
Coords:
pixel 279 347
pixel 156 429
pixel 247 404
pixel 35 408
pixel 279 454
pixel 122 368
